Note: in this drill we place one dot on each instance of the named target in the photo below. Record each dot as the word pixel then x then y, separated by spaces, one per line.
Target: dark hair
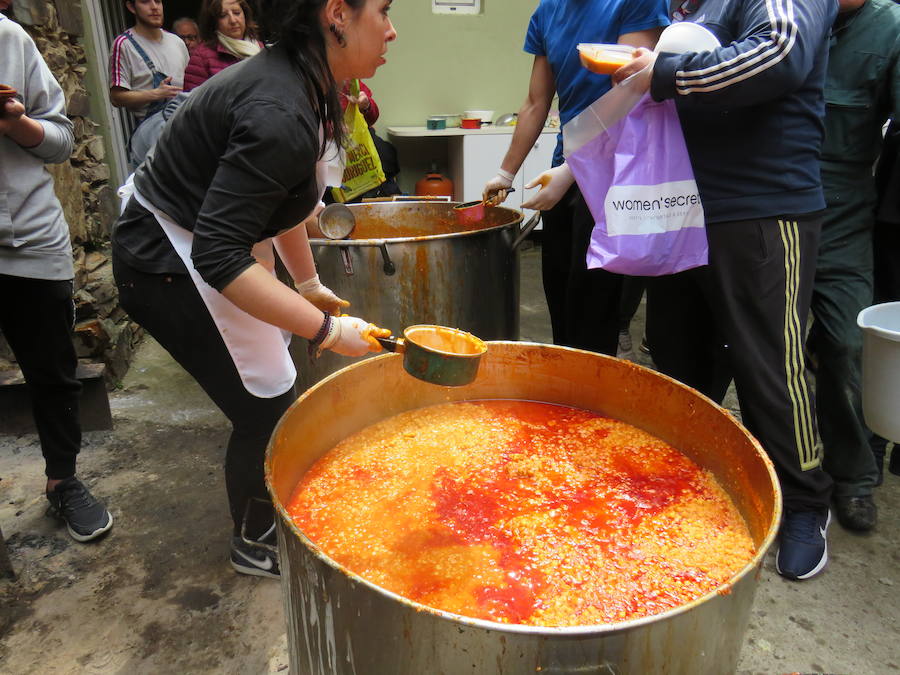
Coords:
pixel 208 21
pixel 294 25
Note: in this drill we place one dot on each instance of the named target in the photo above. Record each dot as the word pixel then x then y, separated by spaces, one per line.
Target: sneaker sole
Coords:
pixel 818 568
pixel 53 513
pixel 253 571
pixel 92 535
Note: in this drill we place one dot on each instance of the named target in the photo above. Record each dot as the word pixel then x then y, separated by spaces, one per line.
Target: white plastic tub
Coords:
pixel 881 368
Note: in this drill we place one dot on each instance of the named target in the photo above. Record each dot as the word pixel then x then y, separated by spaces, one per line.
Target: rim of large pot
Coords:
pixel 592 629
pixel 517 218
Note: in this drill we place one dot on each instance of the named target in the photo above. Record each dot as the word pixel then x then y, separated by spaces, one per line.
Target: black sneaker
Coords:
pixel 258 558
pixel 85 516
pixel 856 513
pixel 803 550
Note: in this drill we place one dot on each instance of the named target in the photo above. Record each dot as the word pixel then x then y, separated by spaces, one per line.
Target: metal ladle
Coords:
pixel 336 221
pixel 438 354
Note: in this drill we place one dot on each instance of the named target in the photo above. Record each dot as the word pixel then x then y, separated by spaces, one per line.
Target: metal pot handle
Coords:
pixel 526 230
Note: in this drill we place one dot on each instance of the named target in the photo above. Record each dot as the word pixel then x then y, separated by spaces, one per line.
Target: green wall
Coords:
pixel 446 64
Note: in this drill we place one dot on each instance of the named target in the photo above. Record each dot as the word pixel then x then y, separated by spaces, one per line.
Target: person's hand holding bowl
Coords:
pixel 641 66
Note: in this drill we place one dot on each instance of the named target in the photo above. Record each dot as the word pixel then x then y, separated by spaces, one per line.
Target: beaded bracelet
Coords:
pixel 324 329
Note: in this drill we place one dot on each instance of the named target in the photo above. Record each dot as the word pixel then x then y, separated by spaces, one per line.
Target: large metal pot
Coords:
pixel 340 623
pixel 412 263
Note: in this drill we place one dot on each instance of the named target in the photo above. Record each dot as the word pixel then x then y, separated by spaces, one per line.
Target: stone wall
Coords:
pixel 103 333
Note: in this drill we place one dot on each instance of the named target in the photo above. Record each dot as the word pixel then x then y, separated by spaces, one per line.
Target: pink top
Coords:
pixel 205 62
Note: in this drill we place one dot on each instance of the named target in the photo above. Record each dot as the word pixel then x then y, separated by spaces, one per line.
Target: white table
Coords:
pixel 475 156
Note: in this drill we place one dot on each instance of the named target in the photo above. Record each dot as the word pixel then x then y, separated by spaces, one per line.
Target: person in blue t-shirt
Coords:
pixel 583 303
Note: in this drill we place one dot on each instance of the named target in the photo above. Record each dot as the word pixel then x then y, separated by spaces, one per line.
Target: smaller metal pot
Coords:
pixel 437 354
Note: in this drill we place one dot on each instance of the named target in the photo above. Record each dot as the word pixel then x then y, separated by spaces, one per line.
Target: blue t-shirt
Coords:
pixel 556 28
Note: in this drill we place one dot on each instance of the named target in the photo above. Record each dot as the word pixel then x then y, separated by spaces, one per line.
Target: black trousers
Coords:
pixel 170 308
pixel 583 303
pixel 842 289
pixel 754 297
pixel 36 316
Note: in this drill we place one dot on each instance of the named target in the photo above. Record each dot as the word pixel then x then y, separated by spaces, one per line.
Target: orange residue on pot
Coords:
pixel 421 288
pixel 522 512
pixel 447 340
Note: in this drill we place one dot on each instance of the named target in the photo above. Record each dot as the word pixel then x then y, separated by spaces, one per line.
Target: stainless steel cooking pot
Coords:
pixel 409 263
pixel 339 623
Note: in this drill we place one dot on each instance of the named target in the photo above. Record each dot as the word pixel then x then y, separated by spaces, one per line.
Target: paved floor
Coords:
pixel 157 595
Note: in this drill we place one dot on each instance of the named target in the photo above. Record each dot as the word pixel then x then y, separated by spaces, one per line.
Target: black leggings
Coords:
pixel 170 308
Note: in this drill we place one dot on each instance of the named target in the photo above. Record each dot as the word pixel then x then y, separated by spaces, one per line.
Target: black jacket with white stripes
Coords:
pixel 752 109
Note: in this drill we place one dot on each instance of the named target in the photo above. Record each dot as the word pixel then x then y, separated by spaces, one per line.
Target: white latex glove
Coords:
pixel 321 296
pixel 352 336
pixel 494 192
pixel 554 183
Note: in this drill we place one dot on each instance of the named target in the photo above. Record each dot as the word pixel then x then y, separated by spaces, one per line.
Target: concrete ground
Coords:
pixel 158 596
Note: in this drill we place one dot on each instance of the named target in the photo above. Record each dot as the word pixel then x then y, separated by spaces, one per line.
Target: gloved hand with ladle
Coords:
pixel 496 189
pixel 349 335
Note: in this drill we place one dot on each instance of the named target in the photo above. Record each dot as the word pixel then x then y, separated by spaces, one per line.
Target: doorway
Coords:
pixel 175 9
pixel 106 20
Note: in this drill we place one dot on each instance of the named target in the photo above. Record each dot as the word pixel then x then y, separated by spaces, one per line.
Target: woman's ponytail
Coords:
pixel 294 26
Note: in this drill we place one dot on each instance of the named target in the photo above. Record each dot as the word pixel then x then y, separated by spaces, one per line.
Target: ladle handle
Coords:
pixel 392 344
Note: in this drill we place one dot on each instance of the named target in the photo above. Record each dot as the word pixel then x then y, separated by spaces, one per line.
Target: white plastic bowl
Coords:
pixel 880 325
pixel 686 36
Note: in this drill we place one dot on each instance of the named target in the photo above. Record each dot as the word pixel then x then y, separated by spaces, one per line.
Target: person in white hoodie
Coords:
pixel 36 271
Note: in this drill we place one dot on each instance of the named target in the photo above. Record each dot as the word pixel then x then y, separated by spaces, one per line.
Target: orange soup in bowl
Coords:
pixel 604 59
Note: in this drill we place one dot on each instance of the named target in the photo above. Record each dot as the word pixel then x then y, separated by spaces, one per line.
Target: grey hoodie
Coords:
pixel 34 237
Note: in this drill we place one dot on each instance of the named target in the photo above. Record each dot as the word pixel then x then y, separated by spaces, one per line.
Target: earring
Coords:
pixel 338 35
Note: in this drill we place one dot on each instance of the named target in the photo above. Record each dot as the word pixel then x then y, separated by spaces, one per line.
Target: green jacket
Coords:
pixel 862 88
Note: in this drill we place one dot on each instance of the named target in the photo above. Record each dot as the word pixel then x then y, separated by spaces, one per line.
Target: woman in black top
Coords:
pixel 237 168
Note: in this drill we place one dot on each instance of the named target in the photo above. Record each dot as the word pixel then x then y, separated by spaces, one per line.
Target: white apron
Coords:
pixel 258 349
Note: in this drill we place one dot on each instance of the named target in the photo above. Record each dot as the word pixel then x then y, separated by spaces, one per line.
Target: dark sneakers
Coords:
pixel 856 513
pixel 258 558
pixel 85 516
pixel 803 550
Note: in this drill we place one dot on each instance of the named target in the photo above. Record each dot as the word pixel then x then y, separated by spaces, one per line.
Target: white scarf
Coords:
pixel 241 49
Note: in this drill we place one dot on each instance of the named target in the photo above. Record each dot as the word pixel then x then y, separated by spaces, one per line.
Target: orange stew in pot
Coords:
pixel 522 512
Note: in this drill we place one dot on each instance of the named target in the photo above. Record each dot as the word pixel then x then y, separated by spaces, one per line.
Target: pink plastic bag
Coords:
pixel 628 155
